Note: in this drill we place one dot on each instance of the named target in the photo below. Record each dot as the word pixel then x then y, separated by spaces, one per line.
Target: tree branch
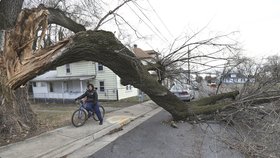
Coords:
pixel 58 17
pixel 110 13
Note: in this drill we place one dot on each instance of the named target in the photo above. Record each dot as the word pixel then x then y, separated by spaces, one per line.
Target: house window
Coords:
pixel 51 87
pixel 34 84
pixel 233 75
pixel 100 67
pixel 101 86
pixel 128 87
pixel 67 68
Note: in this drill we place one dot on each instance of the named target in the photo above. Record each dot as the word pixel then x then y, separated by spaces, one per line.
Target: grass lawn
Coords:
pixel 52 115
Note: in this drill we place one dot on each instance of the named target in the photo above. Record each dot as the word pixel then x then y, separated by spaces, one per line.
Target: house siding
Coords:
pixel 39 88
pixel 81 68
pixel 110 86
pixel 123 93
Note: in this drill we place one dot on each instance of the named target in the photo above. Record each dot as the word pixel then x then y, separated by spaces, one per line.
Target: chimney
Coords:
pixel 135 45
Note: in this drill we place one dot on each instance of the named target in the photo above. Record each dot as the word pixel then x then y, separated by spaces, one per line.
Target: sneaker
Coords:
pixel 101 123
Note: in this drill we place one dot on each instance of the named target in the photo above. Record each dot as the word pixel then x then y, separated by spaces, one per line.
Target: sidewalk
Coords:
pixel 62 141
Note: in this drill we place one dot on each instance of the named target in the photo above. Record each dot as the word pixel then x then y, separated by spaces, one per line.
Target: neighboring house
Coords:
pixel 69 81
pixel 146 57
pixel 235 78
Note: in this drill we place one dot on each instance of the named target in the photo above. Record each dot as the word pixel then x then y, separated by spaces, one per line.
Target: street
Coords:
pixel 156 139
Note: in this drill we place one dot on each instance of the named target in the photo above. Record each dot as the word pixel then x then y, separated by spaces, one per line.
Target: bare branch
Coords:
pixel 58 17
pixel 132 28
pixel 110 13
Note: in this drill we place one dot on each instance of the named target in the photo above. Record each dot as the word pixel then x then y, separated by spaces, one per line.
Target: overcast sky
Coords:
pixel 258 22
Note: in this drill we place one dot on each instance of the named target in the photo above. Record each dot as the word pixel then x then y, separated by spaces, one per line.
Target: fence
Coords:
pixel 108 94
pixel 47 98
pixel 68 97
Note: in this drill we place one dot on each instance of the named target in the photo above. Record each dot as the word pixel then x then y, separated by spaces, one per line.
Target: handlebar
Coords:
pixel 79 101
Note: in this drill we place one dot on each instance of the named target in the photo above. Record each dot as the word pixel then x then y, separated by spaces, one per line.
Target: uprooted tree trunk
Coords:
pixel 16 117
pixel 19 64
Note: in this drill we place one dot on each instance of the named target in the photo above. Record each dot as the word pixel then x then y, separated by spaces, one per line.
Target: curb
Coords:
pixel 79 143
pixel 100 143
pixel 71 147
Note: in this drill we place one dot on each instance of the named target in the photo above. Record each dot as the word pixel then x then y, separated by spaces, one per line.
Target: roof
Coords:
pixel 238 75
pixel 52 76
pixel 140 54
pixel 151 52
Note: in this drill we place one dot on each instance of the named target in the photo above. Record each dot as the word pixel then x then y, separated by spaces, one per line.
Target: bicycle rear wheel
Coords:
pixel 102 111
pixel 79 117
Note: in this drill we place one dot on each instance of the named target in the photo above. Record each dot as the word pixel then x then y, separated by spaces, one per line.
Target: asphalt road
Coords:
pixel 156 139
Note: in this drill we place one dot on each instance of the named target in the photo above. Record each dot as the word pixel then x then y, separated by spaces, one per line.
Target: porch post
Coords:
pixel 81 86
pixel 62 91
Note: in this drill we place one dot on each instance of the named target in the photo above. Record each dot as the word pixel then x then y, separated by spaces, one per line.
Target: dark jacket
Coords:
pixel 91 96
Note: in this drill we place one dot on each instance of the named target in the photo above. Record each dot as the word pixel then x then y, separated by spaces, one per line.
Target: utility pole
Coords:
pixel 189 69
pixel 2 40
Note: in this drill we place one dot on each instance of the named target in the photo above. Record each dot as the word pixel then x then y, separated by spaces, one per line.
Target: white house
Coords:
pixel 69 81
pixel 236 78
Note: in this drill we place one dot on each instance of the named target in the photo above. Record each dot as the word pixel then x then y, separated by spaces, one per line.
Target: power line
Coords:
pixel 160 19
pixel 136 32
pixel 145 23
pixel 138 7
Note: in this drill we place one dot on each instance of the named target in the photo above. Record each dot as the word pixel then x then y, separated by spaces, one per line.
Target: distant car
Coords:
pixel 213 85
pixel 195 88
pixel 183 91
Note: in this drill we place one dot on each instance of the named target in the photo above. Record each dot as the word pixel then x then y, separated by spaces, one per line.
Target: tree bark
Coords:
pixel 9 11
pixel 58 17
pixel 16 116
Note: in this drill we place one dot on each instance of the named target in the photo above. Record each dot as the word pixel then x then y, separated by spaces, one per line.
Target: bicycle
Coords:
pixel 80 116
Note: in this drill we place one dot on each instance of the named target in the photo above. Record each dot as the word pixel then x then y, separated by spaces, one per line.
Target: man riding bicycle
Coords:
pixel 91 102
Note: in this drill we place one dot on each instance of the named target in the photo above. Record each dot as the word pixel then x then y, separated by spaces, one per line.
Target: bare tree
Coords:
pixel 252 121
pixel 189 53
pixel 233 65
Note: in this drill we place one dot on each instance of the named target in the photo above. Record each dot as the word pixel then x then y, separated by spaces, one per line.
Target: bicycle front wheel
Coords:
pixel 102 111
pixel 79 117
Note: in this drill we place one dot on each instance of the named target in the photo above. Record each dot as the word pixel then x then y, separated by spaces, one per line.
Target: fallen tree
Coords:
pixel 20 63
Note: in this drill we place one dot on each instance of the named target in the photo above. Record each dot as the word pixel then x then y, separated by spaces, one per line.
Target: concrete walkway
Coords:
pixel 62 141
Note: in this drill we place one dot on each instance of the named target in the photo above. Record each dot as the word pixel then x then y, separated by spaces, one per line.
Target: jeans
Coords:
pixel 94 108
